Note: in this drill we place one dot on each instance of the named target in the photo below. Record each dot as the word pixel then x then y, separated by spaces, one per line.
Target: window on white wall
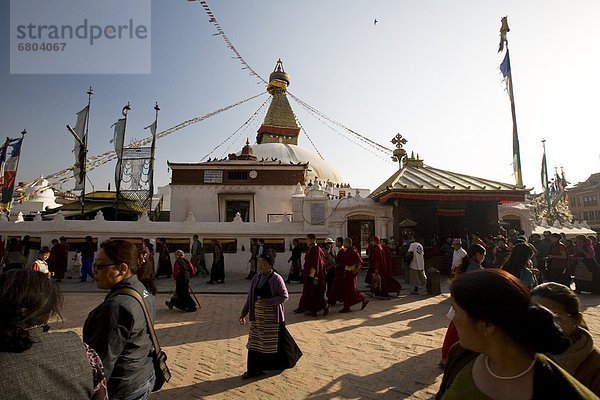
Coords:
pixel 231 204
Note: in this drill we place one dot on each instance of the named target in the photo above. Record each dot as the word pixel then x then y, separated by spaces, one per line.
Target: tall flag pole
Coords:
pixel 545 184
pixel 83 159
pixel 153 129
pixel 119 143
pixel 10 153
pixel 80 134
pixel 507 73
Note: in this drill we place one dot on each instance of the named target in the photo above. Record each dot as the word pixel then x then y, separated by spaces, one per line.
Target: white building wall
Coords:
pixel 336 213
pixel 203 201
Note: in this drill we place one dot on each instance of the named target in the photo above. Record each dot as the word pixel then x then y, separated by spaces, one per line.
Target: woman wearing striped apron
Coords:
pixel 270 345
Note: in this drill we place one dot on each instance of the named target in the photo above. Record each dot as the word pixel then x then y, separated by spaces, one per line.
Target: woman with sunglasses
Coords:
pixel 117 328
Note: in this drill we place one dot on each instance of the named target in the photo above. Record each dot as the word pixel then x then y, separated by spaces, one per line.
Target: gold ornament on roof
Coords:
pixel 399 153
pixel 279 80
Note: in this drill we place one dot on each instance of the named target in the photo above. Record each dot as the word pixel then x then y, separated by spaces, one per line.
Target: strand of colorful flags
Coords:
pixel 245 66
pixel 238 130
pixel 59 177
pixel 220 32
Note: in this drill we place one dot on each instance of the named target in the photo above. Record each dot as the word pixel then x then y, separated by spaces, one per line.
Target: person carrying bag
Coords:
pixel 159 358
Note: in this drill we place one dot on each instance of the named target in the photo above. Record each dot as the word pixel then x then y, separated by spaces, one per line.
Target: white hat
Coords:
pixel 329 240
pixel 179 253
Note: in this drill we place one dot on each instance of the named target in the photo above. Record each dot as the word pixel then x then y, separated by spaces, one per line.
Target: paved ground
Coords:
pixel 387 351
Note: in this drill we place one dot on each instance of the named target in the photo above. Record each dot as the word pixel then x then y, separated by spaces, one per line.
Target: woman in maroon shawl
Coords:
pixel 314 275
pixel 389 284
pixel 348 264
pixel 183 270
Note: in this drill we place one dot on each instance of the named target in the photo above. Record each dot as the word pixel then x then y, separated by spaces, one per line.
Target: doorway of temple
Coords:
pixel 360 231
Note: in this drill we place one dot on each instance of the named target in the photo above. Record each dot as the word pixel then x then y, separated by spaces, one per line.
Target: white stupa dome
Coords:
pixel 289 153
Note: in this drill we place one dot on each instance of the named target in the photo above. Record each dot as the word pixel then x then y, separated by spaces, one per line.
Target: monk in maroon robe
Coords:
pixel 348 263
pixel 314 277
pixel 376 260
pixel 59 258
pixel 389 284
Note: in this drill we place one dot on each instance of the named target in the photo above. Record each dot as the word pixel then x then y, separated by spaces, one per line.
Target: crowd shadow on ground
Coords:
pixel 399 381
pixel 209 387
pixel 424 318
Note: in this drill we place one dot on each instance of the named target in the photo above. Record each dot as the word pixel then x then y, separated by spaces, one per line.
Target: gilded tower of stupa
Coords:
pixel 280 124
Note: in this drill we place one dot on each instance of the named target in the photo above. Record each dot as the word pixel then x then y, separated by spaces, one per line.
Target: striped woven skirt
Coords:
pixel 270 345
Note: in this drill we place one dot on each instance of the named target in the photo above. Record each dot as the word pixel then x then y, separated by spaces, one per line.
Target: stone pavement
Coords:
pixel 389 350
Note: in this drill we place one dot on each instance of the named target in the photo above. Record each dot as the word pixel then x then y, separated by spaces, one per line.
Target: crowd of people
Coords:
pixel 516 328
pixel 518 304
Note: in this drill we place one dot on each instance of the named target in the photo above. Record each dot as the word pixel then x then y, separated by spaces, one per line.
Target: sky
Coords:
pixel 427 70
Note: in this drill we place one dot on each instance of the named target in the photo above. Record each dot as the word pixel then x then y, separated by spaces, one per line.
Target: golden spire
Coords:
pixel 280 125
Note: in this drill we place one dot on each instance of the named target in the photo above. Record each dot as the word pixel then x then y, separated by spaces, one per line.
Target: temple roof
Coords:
pixel 417 180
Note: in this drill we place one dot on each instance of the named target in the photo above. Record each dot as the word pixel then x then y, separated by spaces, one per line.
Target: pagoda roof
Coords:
pixel 416 180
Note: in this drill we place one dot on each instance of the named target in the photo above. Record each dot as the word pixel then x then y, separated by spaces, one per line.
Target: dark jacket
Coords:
pixel 549 380
pixel 55 367
pixel 117 330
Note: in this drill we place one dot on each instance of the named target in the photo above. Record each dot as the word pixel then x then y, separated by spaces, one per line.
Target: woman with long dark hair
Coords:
pixel 117 328
pixel 36 363
pixel 503 338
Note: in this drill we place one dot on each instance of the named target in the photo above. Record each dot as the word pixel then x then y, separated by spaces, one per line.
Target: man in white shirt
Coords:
pixel 458 255
pixel 417 277
pixel 339 243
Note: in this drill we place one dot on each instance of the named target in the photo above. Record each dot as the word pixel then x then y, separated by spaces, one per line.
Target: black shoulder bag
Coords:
pixel 159 358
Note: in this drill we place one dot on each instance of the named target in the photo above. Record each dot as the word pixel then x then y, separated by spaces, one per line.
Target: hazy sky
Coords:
pixel 428 69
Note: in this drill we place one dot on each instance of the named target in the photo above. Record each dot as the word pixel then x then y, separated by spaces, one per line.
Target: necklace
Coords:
pixel 487 366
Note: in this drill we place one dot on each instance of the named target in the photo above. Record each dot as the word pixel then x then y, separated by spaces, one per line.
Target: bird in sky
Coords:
pixel 375 21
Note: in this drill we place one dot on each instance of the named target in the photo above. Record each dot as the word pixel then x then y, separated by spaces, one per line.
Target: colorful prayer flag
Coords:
pixel 9 161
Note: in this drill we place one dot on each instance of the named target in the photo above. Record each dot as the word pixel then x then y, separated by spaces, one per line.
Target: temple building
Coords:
pixel 440 204
pixel 276 180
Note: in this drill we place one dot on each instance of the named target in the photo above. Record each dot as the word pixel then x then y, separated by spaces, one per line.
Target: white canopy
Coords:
pixel 570 230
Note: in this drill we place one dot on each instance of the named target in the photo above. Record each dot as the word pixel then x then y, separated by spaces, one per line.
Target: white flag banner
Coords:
pixel 79 150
